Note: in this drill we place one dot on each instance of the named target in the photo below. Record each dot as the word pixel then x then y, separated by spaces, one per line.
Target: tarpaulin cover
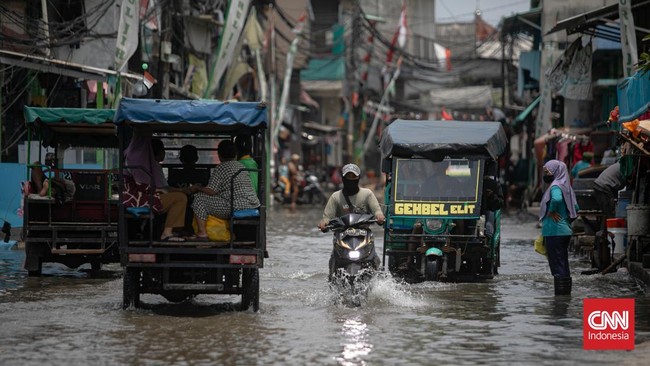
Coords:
pixel 436 139
pixel 72 126
pixel 633 96
pixel 69 115
pixel 143 111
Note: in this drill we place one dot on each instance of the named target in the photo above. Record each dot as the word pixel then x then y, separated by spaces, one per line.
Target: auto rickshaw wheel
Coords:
pixel 491 265
pixel 96 266
pixel 393 264
pixel 131 288
pixel 432 269
pixel 251 289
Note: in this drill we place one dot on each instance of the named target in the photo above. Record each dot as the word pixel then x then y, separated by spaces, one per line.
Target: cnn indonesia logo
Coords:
pixel 608 324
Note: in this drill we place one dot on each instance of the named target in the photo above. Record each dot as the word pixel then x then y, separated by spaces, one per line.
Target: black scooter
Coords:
pixel 354 260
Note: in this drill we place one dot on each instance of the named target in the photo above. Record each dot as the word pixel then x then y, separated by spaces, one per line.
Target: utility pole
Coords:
pixel 161 89
pixel 351 79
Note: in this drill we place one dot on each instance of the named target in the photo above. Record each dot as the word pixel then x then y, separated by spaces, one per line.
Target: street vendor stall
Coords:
pixel 634 107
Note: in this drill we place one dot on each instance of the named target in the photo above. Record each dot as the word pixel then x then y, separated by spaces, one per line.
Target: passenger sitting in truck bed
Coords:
pixel 244 156
pixel 189 174
pixel 147 154
pixel 215 199
pixel 63 190
pixel 186 177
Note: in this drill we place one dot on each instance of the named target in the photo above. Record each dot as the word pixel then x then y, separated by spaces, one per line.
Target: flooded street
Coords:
pixel 67 317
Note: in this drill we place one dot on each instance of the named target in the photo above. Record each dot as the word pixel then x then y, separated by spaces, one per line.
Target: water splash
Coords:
pixel 11 244
pixel 386 289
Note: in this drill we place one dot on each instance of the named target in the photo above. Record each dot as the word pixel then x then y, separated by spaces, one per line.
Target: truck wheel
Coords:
pixel 95 266
pixel 131 288
pixel 38 271
pixel 34 253
pixel 432 269
pixel 251 289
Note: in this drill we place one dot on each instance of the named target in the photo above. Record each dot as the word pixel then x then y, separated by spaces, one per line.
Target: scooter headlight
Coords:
pixel 355 254
pixel 434 224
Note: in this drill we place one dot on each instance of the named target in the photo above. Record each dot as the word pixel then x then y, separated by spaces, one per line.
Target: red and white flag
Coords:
pixel 400 34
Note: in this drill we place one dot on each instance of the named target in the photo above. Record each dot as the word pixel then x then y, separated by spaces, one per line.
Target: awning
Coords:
pixel 60 67
pixel 587 22
pixel 633 96
pixel 324 69
pixel 526 112
pixel 529 22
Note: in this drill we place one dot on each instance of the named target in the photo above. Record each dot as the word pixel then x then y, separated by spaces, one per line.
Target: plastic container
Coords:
pixel 624 199
pixel 638 219
pixel 619 229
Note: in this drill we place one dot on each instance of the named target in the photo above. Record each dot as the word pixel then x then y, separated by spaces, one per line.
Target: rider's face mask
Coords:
pixel 350 186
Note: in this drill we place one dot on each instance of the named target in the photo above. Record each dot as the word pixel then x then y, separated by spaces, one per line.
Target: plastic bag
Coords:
pixel 217 229
pixel 539 245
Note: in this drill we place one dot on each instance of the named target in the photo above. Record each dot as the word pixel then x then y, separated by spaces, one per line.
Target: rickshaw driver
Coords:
pixel 351 199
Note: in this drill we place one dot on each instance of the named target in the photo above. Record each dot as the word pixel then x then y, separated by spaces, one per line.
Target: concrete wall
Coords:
pixel 98 52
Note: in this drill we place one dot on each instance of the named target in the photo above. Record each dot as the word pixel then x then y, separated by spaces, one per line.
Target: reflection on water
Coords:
pixel 70 317
pixel 356 345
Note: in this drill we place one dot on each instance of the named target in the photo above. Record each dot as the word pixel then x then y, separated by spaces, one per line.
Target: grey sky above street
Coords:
pixel 492 11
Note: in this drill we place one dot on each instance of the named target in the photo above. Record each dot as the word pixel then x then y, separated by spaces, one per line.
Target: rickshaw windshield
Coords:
pixel 449 180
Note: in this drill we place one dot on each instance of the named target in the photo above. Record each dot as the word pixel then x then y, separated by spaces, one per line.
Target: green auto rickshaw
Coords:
pixel 439 175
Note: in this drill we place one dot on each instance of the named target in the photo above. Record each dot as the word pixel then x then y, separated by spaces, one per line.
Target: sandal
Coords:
pixel 201 238
pixel 172 239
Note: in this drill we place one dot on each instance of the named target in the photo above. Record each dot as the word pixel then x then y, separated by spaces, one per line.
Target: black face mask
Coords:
pixel 350 186
pixel 548 178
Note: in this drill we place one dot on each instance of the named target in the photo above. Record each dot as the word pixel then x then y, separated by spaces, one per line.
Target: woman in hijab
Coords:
pixel 146 154
pixel 557 209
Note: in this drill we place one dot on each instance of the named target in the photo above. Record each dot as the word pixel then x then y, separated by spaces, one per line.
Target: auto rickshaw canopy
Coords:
pixel 191 115
pixel 72 126
pixel 436 139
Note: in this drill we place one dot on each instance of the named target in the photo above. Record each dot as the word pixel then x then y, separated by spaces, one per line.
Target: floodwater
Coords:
pixel 68 317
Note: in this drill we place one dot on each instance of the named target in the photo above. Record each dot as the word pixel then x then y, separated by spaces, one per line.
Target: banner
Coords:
pixel 235 19
pixel 570 76
pixel 578 83
pixel 628 37
pixel 291 55
pixel 127 32
pixel 253 36
pixel 544 113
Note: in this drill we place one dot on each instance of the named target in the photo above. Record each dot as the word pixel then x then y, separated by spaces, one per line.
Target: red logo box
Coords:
pixel 608 324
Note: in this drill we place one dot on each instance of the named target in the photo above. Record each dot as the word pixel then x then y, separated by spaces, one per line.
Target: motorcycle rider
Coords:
pixel 351 199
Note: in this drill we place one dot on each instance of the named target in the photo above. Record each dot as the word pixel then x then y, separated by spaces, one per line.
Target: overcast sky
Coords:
pixel 492 11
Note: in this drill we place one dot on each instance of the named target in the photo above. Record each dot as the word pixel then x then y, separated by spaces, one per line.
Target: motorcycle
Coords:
pixel 310 191
pixel 354 260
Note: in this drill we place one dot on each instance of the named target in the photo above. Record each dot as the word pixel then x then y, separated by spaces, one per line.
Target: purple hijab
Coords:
pixel 560 179
pixel 140 153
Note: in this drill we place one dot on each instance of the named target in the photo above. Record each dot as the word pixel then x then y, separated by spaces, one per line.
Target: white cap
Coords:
pixel 351 168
